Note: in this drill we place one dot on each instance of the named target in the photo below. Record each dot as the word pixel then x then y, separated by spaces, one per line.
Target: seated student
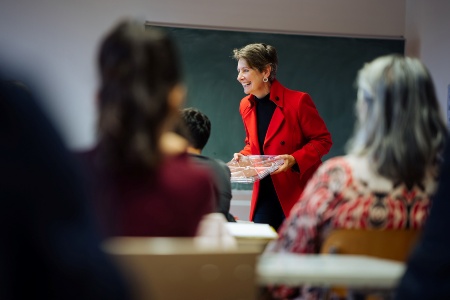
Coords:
pixel 427 273
pixel 50 248
pixel 386 180
pixel 198 127
pixel 144 182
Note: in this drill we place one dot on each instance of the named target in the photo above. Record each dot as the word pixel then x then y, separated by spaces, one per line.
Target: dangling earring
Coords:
pixel 265 79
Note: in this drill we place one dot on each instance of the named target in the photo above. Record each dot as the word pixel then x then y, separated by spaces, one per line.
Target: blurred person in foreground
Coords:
pixel 50 248
pixel 427 273
pixel 198 130
pixel 390 172
pixel 144 182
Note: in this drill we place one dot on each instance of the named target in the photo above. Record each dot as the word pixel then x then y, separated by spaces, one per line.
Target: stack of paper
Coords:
pixel 252 168
pixel 251 230
pixel 251 236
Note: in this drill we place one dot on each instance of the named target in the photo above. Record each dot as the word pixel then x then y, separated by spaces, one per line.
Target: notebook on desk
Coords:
pixel 252 235
pixel 251 230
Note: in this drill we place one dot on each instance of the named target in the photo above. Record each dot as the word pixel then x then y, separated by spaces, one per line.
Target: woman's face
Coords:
pixel 252 79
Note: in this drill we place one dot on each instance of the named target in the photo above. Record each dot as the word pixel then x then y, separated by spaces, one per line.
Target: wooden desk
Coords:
pixel 325 270
pixel 161 268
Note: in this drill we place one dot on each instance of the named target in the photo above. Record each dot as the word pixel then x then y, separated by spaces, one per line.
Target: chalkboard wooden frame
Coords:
pixel 325 67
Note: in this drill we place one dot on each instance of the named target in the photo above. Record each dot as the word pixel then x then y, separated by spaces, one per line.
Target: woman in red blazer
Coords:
pixel 282 122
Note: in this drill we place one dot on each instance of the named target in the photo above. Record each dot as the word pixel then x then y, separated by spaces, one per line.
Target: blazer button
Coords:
pixel 282 142
pixel 277 98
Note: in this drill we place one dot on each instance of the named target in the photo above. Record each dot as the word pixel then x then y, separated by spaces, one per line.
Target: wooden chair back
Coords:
pixel 387 244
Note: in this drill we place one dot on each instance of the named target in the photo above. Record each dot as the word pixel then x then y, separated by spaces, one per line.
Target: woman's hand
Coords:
pixel 237 156
pixel 289 161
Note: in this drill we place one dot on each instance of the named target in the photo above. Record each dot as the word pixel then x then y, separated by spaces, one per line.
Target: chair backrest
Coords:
pixel 387 244
pixel 184 268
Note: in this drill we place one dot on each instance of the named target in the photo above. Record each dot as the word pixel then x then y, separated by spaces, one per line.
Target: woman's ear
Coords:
pixel 267 71
pixel 177 96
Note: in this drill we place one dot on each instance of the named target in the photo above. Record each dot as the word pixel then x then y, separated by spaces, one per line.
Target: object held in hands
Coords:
pixel 252 168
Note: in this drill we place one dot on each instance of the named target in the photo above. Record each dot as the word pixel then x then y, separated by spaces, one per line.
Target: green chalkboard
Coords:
pixel 324 67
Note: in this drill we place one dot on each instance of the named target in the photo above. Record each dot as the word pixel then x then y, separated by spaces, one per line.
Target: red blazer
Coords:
pixel 296 128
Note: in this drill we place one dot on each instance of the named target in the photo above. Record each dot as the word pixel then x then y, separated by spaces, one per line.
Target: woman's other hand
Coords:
pixel 289 162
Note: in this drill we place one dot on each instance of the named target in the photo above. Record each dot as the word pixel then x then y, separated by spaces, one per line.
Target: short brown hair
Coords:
pixel 258 56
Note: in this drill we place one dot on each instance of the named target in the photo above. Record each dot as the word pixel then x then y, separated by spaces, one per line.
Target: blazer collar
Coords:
pixel 276 94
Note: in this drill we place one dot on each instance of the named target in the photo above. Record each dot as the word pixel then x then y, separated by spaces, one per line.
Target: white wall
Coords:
pixel 58 40
pixel 428 37
pixel 338 17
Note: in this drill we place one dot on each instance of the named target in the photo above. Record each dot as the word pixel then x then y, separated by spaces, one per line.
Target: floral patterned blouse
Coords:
pixel 346 193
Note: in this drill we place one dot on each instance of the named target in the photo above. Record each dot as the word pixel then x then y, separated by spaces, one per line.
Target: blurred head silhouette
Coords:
pixel 49 243
pixel 400 126
pixel 139 96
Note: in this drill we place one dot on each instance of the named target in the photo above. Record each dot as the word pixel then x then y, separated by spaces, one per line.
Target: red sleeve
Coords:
pixel 315 131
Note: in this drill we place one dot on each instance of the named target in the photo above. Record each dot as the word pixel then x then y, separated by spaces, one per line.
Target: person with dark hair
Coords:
pixel 278 121
pixel 427 273
pixel 144 182
pixel 50 246
pixel 390 172
pixel 198 127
